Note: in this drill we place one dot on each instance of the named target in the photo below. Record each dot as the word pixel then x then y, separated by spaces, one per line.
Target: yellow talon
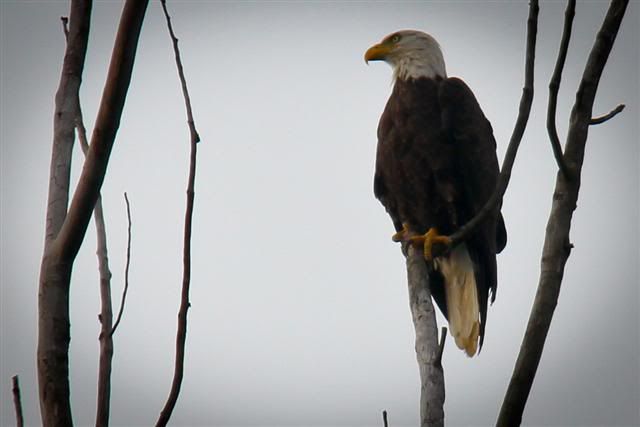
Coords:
pixel 401 235
pixel 428 239
pixel 432 237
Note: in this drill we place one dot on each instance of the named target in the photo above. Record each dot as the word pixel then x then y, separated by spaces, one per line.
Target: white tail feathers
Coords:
pixel 462 298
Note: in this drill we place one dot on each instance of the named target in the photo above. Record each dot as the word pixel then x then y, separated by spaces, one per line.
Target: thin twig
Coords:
pixel 126 268
pixel 17 401
pixel 518 131
pixel 183 81
pixel 384 419
pixel 181 335
pixel 610 115
pixel 554 87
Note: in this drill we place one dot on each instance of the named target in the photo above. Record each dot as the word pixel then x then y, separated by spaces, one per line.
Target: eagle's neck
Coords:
pixel 426 62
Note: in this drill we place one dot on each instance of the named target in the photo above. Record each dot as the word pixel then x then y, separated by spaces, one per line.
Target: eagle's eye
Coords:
pixel 395 38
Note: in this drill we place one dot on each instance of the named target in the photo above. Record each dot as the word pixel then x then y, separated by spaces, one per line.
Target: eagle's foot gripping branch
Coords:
pixel 433 244
pixel 402 235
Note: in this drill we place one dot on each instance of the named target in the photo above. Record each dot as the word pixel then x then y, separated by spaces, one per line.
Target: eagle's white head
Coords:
pixel 411 53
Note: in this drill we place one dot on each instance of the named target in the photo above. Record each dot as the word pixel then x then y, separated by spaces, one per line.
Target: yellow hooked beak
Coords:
pixel 378 52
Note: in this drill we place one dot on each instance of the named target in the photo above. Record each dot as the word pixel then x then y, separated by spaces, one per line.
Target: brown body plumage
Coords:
pixel 436 166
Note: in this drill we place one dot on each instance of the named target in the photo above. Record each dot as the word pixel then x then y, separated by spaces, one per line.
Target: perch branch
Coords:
pixel 432 393
pixel 126 268
pixel 17 401
pixel 181 335
pixel 557 245
pixel 384 419
pixel 611 114
pixel 521 123
pixel 554 87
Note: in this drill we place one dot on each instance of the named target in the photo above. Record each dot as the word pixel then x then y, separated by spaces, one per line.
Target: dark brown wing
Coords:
pixel 477 165
pixel 436 166
pixel 415 172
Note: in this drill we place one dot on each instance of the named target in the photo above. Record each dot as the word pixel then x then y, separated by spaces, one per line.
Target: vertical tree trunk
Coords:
pixel 65 230
pixel 53 296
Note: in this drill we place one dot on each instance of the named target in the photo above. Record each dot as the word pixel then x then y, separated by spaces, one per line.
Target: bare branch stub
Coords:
pixel 17 400
pixel 554 87
pixel 181 334
pixel 443 340
pixel 65 26
pixel 385 423
pixel 610 115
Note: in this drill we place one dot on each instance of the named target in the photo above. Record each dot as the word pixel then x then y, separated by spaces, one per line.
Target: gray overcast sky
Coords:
pixel 299 303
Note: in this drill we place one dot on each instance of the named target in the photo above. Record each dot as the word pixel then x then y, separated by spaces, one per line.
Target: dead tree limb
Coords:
pixel 557 246
pixel 518 131
pixel 181 335
pixel 428 352
pixel 17 401
pixel 554 87
pixel 610 115
pixel 106 315
pixel 65 230
pixel 55 273
pixel 106 318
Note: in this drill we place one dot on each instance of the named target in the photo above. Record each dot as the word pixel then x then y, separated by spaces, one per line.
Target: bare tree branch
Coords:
pixel 126 268
pixel 17 401
pixel 554 87
pixel 181 335
pixel 65 230
pixel 521 123
pixel 105 316
pixel 427 349
pixel 557 245
pixel 93 172
pixel 610 115
pixel 53 295
pixel 384 419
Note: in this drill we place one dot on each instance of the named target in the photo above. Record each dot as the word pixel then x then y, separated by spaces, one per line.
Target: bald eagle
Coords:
pixel 436 166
